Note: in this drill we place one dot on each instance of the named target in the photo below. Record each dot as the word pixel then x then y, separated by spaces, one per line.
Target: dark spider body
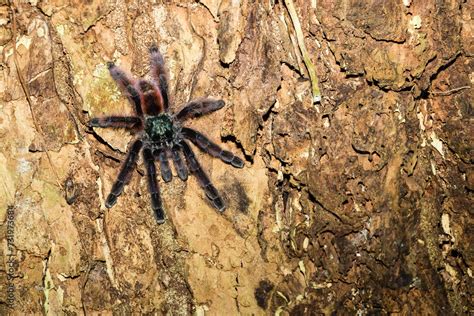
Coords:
pixel 161 136
pixel 161 130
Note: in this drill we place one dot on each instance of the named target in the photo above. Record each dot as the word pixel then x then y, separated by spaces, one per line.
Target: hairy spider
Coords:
pixel 161 136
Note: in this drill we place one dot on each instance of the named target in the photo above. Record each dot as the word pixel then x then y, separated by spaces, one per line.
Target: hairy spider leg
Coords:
pixel 158 73
pixel 195 168
pixel 127 85
pixel 152 100
pixel 203 143
pixel 153 187
pixel 129 122
pixel 162 155
pixel 179 163
pixel 125 173
pixel 199 108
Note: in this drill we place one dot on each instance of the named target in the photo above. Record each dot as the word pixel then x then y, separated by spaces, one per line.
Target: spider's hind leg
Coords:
pixel 211 148
pixel 158 72
pixel 195 168
pixel 199 108
pixel 127 85
pixel 129 122
pixel 156 204
pixel 124 175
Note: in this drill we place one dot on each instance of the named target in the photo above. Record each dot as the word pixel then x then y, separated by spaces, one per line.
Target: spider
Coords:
pixel 161 136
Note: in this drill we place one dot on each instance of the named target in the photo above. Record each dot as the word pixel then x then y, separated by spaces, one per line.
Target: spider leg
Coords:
pixel 158 72
pixel 127 85
pixel 152 99
pixel 179 164
pixel 211 148
pixel 153 186
pixel 125 173
pixel 165 169
pixel 116 121
pixel 198 108
pixel 195 168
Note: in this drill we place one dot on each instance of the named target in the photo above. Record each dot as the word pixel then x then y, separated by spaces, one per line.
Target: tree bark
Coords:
pixel 358 204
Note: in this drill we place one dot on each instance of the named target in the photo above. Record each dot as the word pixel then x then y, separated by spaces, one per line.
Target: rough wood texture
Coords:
pixel 359 205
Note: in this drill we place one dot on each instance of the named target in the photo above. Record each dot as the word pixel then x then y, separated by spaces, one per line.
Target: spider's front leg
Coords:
pixel 125 173
pixel 162 155
pixel 156 204
pixel 178 163
pixel 195 168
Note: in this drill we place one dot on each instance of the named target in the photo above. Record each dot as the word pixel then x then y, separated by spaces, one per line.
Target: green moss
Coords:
pixel 52 198
pixel 103 93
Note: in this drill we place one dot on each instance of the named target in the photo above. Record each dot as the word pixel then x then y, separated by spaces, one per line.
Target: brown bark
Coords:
pixel 361 204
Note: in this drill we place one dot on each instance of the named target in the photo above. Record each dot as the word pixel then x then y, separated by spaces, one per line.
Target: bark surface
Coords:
pixel 361 204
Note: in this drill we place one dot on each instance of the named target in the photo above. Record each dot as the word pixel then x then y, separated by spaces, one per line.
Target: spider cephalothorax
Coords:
pixel 161 130
pixel 161 136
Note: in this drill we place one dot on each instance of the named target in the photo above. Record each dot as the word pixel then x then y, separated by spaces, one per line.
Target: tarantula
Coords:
pixel 161 136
